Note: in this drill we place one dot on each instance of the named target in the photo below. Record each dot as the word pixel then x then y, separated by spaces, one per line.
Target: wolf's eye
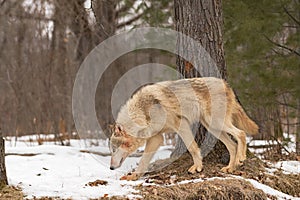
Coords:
pixel 112 148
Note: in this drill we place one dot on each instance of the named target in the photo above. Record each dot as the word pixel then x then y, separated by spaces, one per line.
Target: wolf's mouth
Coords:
pixel 121 161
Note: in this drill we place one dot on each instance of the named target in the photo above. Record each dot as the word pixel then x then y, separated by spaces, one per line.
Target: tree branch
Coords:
pixel 291 16
pixel 33 17
pixel 282 46
pixel 2 2
pixel 130 21
pixel 124 8
pixel 286 104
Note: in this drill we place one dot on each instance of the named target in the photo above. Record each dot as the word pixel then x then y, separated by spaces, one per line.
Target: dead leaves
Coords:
pixel 96 183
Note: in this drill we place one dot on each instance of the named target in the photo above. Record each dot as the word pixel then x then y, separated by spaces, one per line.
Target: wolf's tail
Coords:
pixel 242 121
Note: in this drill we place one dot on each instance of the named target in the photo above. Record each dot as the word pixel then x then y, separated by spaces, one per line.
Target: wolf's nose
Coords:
pixel 111 168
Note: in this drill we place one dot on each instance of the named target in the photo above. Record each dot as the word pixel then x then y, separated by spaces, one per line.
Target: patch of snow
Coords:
pixel 63 171
pixel 198 180
pixel 288 167
pixel 289 144
pixel 261 142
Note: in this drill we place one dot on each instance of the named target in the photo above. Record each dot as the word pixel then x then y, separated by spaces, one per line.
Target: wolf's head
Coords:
pixel 122 145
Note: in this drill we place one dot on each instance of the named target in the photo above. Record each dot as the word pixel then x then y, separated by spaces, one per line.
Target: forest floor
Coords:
pixel 48 172
pixel 11 192
pixel 256 179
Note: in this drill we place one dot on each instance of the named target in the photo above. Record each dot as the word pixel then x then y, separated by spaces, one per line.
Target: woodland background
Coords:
pixel 43 43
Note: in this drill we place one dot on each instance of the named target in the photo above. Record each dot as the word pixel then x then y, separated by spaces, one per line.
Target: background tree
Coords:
pixel 42 46
pixel 298 131
pixel 3 177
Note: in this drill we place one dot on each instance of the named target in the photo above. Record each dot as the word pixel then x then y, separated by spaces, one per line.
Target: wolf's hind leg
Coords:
pixel 187 136
pixel 232 148
pixel 240 137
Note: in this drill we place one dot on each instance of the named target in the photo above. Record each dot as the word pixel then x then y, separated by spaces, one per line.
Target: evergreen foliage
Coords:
pixel 262 43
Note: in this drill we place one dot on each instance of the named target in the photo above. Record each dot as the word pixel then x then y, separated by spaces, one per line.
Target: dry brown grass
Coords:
pixel 253 168
pixel 11 193
pixel 210 189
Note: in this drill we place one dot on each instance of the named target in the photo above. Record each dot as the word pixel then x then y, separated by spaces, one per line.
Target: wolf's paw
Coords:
pixel 239 163
pixel 130 177
pixel 195 168
pixel 243 158
pixel 227 169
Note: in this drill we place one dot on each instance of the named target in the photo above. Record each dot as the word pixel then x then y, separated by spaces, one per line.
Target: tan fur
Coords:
pixel 173 106
pixel 242 121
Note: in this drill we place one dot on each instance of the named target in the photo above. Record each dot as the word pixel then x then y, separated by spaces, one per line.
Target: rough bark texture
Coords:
pixel 104 12
pixel 201 20
pixel 3 177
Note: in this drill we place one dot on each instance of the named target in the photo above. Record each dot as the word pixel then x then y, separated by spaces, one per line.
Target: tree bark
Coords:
pixel 3 177
pixel 298 130
pixel 79 25
pixel 105 15
pixel 201 20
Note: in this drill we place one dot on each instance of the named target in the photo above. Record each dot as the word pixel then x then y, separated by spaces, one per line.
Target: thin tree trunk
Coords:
pixel 298 130
pixel 201 20
pixel 105 13
pixel 3 177
pixel 298 105
pixel 60 66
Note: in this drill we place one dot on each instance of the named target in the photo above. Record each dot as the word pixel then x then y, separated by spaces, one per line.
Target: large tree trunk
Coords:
pixel 3 177
pixel 201 20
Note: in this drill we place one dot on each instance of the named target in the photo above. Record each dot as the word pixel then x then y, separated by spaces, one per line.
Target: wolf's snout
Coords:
pixel 116 162
pixel 117 159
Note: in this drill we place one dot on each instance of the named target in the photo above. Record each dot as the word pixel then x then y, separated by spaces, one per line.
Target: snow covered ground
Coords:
pixel 290 144
pixel 63 171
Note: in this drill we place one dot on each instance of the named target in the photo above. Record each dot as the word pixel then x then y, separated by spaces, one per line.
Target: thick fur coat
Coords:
pixel 173 106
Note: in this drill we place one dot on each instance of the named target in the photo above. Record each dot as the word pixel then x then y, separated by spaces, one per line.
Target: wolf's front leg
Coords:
pixel 152 145
pixel 187 136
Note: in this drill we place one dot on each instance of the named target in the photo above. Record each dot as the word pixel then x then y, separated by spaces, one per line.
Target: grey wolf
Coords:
pixel 173 106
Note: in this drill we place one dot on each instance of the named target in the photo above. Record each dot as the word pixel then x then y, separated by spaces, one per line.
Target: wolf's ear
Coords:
pixel 110 128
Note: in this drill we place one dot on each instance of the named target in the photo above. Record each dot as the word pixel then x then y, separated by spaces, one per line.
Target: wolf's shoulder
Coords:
pixel 183 83
pixel 190 80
